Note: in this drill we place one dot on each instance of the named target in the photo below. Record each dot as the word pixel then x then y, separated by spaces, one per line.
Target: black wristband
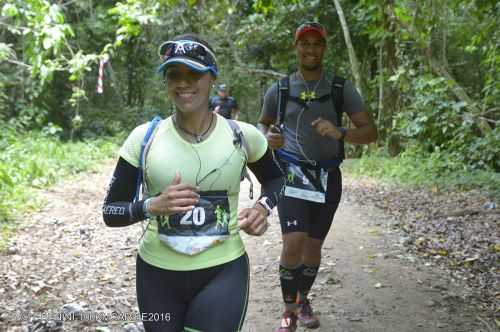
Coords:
pixel 343 132
pixel 137 211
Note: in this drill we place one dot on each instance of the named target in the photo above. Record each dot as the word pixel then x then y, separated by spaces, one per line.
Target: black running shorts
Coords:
pixel 297 215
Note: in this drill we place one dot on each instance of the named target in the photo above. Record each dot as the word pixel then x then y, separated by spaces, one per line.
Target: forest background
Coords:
pixel 428 71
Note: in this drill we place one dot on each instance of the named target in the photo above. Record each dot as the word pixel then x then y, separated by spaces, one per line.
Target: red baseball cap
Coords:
pixel 307 27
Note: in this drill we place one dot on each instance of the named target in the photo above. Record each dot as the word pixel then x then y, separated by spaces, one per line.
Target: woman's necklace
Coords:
pixel 197 137
pixel 309 95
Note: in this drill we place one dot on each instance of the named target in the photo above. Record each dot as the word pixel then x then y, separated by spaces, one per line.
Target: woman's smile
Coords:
pixel 185 95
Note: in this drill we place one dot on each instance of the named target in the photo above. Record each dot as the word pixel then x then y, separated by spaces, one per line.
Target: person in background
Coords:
pixel 223 103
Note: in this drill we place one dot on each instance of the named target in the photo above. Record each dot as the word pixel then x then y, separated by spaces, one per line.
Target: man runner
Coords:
pixel 307 138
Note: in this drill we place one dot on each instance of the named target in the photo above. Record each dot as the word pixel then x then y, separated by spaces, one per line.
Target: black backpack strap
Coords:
pixel 283 93
pixel 338 96
pixel 240 142
pixel 338 101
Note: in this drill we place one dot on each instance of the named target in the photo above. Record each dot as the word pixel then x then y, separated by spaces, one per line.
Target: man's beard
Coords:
pixel 312 67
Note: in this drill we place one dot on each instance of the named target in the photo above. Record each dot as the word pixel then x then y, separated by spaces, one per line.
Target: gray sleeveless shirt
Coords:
pixel 301 138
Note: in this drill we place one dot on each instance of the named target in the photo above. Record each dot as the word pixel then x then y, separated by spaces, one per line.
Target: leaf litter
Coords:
pixel 457 231
pixel 71 262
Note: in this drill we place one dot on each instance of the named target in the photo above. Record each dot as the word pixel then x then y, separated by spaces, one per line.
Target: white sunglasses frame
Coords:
pixel 185 41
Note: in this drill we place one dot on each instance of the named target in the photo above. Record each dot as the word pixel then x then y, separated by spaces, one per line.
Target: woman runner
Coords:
pixel 192 271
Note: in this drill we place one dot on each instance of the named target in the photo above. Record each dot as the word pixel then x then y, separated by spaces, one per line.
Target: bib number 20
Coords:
pixel 196 216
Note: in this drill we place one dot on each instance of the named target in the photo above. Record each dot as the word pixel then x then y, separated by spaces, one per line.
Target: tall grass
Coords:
pixel 417 168
pixel 35 160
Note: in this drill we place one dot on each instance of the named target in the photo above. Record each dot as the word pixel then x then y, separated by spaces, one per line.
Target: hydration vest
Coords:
pixel 337 96
pixel 238 140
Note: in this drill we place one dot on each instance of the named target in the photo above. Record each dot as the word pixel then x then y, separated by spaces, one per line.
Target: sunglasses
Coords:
pixel 188 49
pixel 175 75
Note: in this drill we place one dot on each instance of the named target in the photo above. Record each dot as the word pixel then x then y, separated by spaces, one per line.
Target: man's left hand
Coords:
pixel 326 128
pixel 253 221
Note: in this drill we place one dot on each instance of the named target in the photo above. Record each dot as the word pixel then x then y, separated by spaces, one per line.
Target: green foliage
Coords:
pixel 38 159
pixel 49 54
pixel 79 64
pixel 415 167
pixel 263 6
pixel 45 36
pixel 41 47
pixel 422 105
pixel 440 124
pixel 132 16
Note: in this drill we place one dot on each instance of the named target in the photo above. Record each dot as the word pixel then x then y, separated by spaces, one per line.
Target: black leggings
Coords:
pixel 209 300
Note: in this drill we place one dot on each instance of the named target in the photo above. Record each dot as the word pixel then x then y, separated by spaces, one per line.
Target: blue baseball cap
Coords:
pixel 191 53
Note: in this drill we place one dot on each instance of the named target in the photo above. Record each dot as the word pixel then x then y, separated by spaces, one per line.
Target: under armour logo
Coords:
pixel 290 223
pixel 307 96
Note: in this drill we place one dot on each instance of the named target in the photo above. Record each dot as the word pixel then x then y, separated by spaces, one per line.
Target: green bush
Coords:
pixel 38 159
pixel 442 126
pixel 417 167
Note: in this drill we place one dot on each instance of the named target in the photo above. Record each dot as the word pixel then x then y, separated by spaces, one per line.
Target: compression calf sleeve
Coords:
pixel 289 280
pixel 118 209
pixel 308 276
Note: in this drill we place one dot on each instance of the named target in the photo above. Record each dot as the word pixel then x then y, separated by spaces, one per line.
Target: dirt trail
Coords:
pixel 367 282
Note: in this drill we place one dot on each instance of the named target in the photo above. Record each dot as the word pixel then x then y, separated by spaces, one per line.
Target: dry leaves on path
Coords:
pixel 458 231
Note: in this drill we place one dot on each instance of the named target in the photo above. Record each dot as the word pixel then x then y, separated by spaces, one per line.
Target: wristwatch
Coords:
pixel 145 208
pixel 266 203
pixel 343 131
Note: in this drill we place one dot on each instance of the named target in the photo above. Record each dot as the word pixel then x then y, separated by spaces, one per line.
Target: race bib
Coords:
pixel 306 184
pixel 200 228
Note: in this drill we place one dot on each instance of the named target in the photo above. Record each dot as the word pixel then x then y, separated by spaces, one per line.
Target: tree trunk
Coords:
pixel 115 84
pixel 130 72
pixel 352 55
pixel 380 71
pixel 391 96
pixel 444 32
pixel 393 140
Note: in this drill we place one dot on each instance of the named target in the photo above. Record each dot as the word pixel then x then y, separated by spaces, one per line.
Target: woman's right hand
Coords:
pixel 275 138
pixel 176 198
